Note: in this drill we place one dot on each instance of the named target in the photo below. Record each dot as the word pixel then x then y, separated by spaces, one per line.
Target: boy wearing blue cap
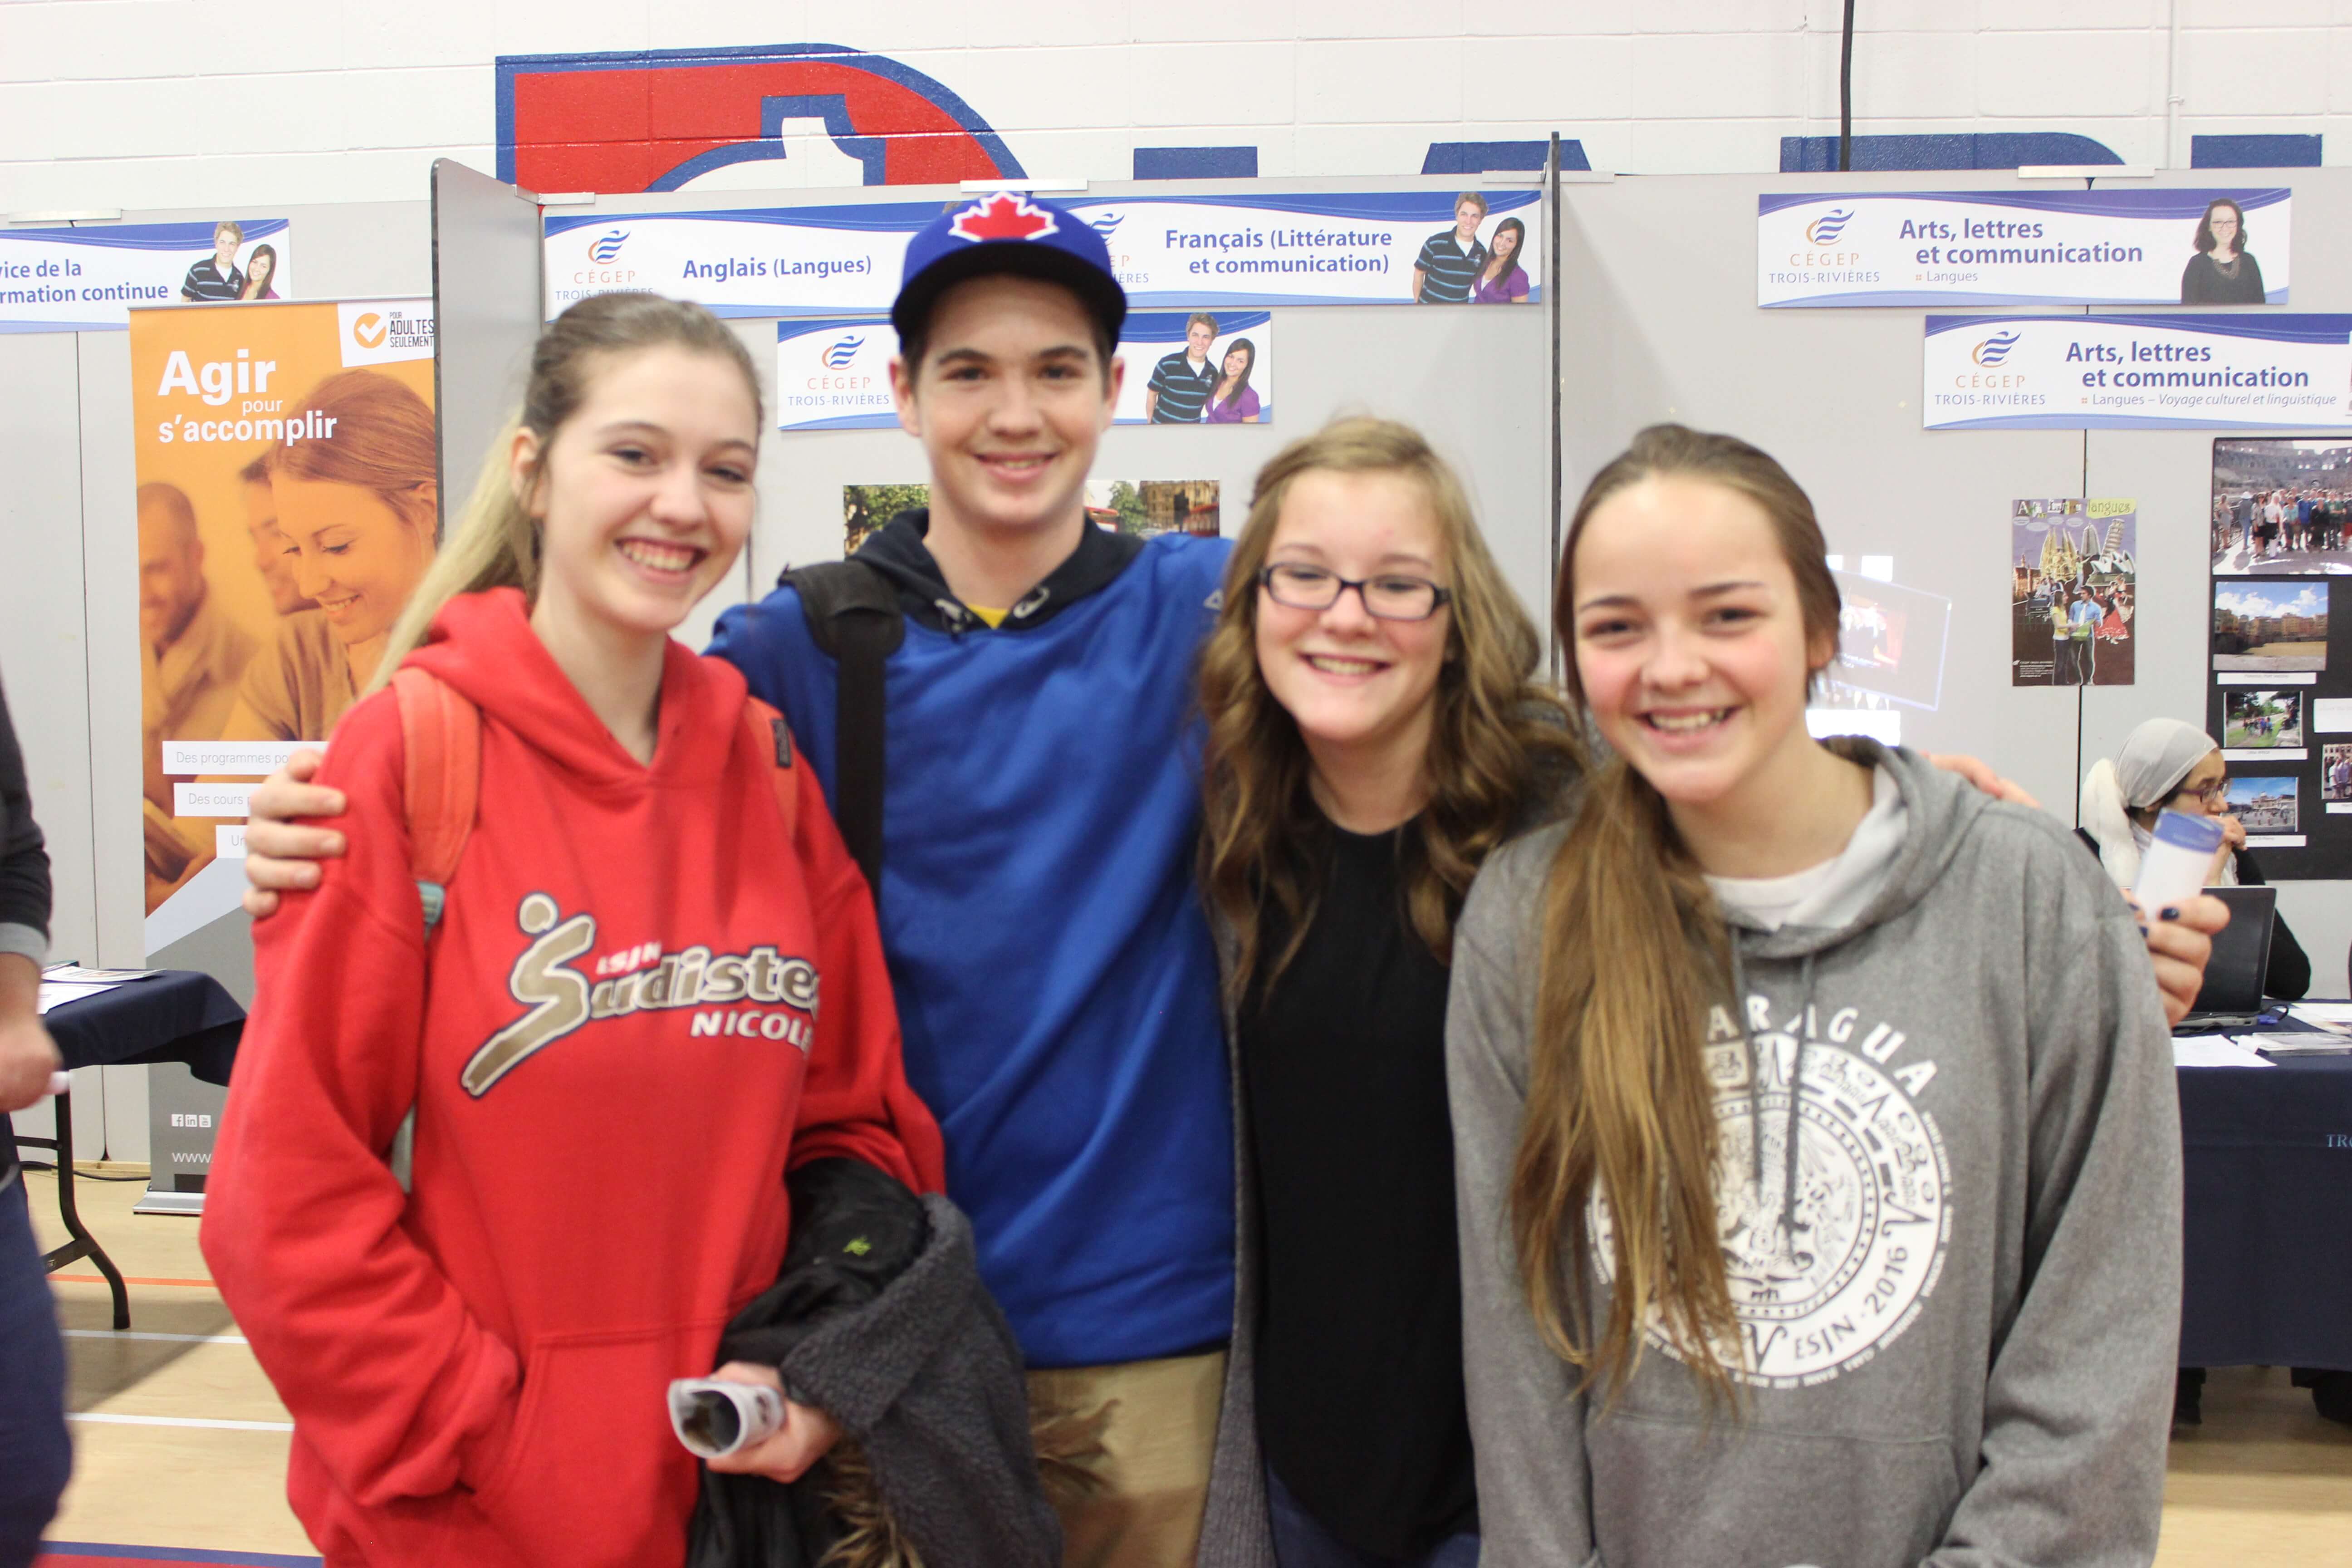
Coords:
pixel 1056 988
pixel 1055 983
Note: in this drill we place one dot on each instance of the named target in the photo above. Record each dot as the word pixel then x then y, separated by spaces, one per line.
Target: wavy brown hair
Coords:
pixel 1635 949
pixel 1497 741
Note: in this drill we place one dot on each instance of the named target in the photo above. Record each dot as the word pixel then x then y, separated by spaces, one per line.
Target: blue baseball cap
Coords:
pixel 1007 231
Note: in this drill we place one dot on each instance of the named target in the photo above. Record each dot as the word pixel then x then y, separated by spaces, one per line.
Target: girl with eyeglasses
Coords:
pixel 1374 730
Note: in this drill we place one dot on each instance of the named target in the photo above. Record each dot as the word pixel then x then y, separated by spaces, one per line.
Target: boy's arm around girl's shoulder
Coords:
pixel 392 1382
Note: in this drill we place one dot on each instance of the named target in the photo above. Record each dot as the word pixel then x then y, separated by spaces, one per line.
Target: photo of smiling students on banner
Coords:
pixel 285 473
pixel 1200 367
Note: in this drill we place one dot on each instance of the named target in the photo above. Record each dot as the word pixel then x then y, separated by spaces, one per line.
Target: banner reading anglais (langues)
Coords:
pixel 2100 373
pixel 2023 248
pixel 87 280
pixel 1346 249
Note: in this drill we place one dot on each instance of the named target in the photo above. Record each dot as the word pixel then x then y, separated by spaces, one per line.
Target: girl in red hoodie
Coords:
pixel 647 998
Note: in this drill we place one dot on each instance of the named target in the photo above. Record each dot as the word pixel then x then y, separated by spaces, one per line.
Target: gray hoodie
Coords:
pixel 1959 1318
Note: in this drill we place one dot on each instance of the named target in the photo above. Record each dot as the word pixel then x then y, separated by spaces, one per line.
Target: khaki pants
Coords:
pixel 1125 1450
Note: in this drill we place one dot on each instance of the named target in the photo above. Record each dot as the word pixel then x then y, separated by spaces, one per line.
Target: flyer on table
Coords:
pixel 89 280
pixel 285 462
pixel 2023 248
pixel 2101 372
pixel 1344 248
pixel 1196 367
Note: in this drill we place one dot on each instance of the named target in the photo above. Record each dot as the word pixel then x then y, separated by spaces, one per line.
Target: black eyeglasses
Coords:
pixel 1388 597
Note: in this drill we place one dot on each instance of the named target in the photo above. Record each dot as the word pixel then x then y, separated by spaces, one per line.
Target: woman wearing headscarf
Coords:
pixel 2168 765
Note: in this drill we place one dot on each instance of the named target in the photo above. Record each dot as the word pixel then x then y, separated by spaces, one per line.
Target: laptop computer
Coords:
pixel 2231 997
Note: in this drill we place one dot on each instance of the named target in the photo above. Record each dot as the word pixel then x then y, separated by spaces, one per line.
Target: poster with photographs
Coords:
pixel 2280 508
pixel 2073 590
pixel 2281 705
pixel 1138 507
pixel 1199 367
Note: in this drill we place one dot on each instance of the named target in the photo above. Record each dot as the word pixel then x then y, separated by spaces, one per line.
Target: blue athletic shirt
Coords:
pixel 1056 986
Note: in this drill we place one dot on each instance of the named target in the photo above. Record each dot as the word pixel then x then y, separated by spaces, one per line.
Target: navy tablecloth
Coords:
pixel 177 1015
pixel 2268 1222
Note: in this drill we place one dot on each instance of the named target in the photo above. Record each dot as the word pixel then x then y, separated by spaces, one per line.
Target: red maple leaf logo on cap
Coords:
pixel 1007 214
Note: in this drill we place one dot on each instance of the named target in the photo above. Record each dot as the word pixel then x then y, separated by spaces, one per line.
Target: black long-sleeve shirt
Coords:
pixel 24 881
pixel 24 857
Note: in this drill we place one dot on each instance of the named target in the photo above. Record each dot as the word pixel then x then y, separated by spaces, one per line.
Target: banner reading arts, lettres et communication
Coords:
pixel 2025 247
pixel 1349 248
pixel 286 470
pixel 834 372
pixel 2103 373
pixel 89 280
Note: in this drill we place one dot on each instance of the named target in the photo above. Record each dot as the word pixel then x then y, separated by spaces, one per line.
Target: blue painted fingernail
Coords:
pixel 2171 914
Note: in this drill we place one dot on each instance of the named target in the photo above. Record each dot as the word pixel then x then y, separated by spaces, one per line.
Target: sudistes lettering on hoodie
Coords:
pixel 562 999
pixel 1827 1275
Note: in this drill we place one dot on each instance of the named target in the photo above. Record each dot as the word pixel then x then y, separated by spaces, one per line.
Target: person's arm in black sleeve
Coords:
pixel 2288 976
pixel 28 1057
pixel 24 856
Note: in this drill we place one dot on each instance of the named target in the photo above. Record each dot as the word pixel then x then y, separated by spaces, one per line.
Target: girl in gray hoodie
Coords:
pixel 1818 1159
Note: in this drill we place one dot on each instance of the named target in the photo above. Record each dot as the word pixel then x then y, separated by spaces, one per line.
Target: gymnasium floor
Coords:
pixel 179 1443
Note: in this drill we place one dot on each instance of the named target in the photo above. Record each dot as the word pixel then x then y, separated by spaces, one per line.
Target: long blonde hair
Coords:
pixel 493 544
pixel 1496 740
pixel 1633 950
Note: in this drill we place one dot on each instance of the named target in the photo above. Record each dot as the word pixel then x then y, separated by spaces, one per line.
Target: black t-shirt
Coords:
pixel 1359 1401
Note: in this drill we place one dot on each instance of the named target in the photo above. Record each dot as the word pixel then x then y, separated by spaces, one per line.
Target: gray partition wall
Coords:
pixel 486 293
pixel 1659 321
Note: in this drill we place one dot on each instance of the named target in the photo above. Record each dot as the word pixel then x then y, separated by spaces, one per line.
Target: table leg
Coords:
pixel 81 1243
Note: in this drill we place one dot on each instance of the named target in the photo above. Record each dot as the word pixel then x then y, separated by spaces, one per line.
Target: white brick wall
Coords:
pixel 196 102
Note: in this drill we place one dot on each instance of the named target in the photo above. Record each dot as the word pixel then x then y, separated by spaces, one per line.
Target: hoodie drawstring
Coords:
pixel 1756 1090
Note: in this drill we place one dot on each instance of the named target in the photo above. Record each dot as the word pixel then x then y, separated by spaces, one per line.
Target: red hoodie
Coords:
pixel 645 1002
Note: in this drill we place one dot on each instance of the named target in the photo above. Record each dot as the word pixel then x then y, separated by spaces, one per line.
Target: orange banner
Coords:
pixel 286 504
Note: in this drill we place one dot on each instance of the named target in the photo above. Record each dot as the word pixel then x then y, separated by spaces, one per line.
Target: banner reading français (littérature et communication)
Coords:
pixel 1182 252
pixel 2105 372
pixel 2023 248
pixel 286 468
pixel 89 280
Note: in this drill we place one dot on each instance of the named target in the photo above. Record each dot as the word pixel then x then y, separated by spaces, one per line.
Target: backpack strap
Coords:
pixel 441 785
pixel 771 736
pixel 441 733
pixel 853 615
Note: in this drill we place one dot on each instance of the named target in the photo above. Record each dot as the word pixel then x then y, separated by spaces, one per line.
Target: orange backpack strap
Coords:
pixel 441 784
pixel 442 734
pixel 772 738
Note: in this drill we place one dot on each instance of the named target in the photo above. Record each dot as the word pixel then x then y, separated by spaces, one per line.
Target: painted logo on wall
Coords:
pixel 657 119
